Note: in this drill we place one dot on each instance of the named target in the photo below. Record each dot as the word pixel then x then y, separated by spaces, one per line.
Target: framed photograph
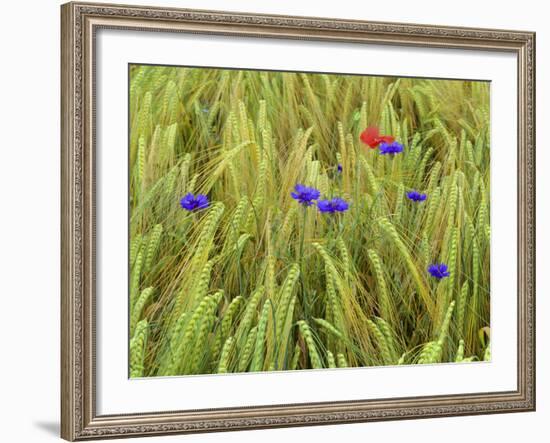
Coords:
pixel 283 221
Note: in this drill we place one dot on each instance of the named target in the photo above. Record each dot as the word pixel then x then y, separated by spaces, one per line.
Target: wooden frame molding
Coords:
pixel 80 21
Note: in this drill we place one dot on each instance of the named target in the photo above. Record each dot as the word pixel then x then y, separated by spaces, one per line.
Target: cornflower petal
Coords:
pixel 439 271
pixel 391 148
pixel 305 195
pixel 416 196
pixel 191 203
pixel 334 205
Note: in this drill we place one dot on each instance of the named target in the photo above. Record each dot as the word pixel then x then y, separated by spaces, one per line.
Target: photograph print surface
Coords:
pixel 285 221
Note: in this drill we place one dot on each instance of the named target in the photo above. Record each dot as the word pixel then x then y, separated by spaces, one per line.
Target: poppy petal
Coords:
pixel 387 138
pixel 371 136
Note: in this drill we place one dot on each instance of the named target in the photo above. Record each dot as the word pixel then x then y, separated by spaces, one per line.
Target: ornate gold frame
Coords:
pixel 79 420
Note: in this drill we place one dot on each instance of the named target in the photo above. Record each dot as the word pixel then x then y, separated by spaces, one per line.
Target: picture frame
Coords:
pixel 80 23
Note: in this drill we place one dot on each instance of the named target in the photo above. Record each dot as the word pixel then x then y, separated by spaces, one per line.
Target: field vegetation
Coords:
pixel 268 233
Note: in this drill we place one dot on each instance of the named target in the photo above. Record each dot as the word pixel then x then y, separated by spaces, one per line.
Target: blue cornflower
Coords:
pixel 391 148
pixel 334 205
pixel 305 195
pixel 416 196
pixel 438 271
pixel 339 167
pixel 192 203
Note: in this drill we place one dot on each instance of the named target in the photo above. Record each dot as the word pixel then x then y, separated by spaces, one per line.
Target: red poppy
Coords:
pixel 371 137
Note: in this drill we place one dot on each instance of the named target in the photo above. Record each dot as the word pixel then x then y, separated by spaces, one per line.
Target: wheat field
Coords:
pixel 377 257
